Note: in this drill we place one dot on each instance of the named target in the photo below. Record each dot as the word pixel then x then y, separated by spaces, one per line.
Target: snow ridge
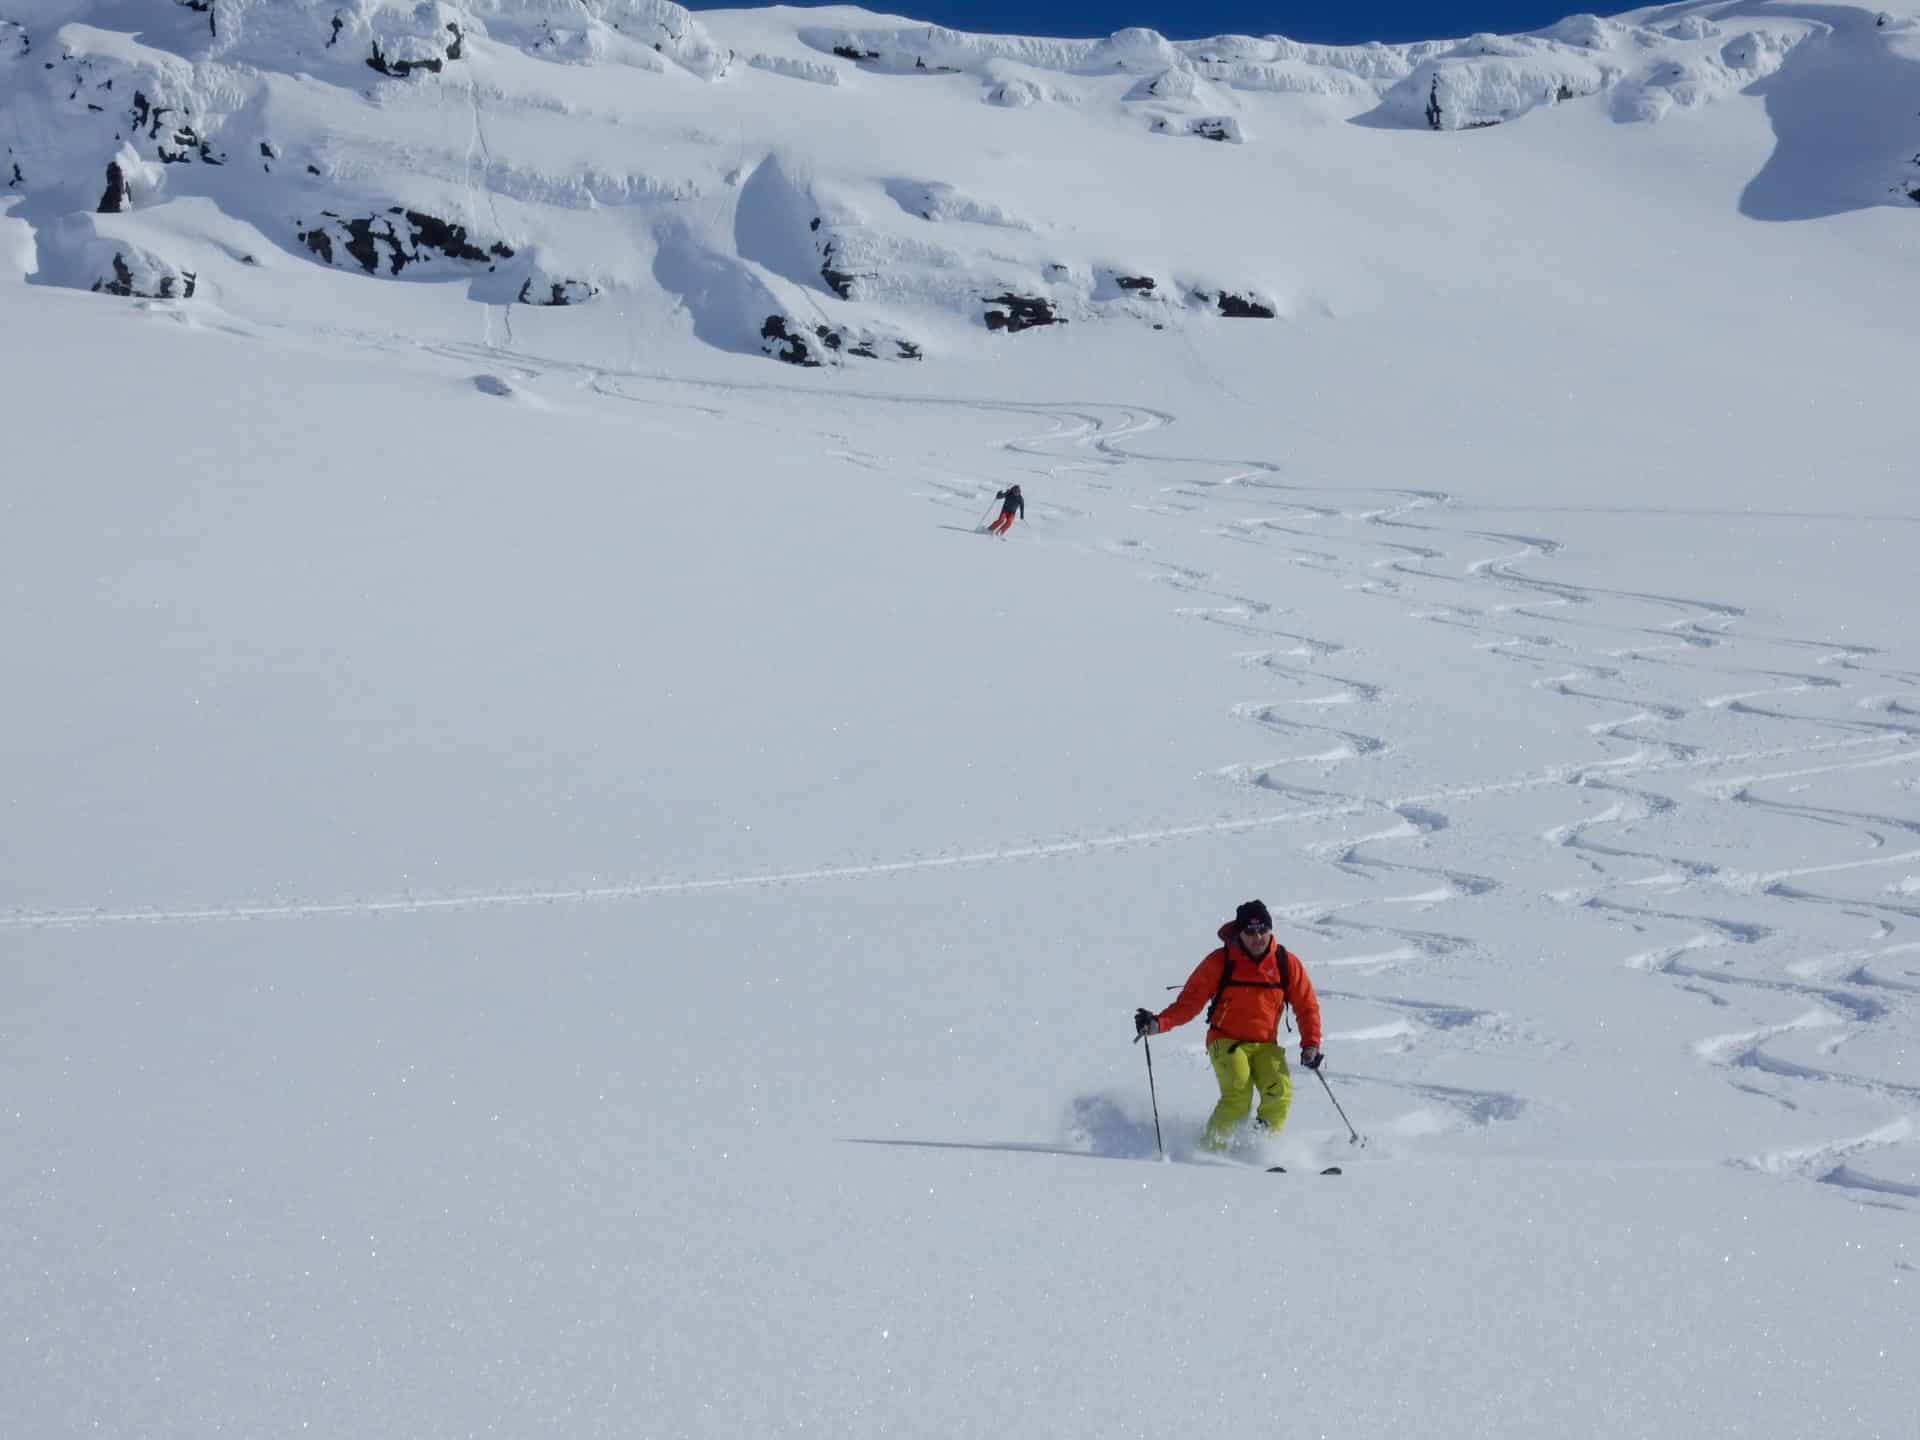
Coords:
pixel 331 129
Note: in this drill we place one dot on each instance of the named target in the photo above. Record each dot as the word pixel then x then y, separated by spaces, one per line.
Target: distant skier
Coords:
pixel 1012 503
pixel 1250 979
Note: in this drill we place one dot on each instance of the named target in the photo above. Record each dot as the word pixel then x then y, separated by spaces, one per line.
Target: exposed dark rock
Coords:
pixel 122 282
pixel 442 235
pixel 459 39
pixel 115 198
pixel 1564 93
pixel 361 245
pixel 338 26
pixel 191 147
pixel 784 338
pixel 167 287
pixel 204 7
pixel 18 178
pixel 839 281
pixel 784 344
pixel 313 169
pixel 1433 104
pixel 1134 282
pixel 1242 307
pixel 268 151
pixel 559 292
pixel 1021 312
pixel 848 52
pixel 399 69
pixel 1208 127
pixel 1913 194
pixel 147 116
pixel 406 242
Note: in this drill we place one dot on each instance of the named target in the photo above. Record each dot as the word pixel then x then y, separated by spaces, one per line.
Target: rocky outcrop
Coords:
pixel 75 251
pixel 161 282
pixel 1243 307
pixel 1207 127
pixel 555 292
pixel 150 121
pixel 395 240
pixel 1014 313
pixel 114 200
pixel 400 68
pixel 839 281
pixel 785 338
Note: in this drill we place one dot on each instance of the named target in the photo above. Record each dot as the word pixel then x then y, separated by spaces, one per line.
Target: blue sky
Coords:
pixel 1328 21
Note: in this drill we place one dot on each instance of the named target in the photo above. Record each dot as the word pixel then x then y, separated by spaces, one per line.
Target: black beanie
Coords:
pixel 1250 912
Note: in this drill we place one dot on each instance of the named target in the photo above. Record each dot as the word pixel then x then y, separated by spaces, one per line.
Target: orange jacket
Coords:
pixel 1249 1007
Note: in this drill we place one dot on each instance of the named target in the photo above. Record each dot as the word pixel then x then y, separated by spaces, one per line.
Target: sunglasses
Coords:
pixel 1256 928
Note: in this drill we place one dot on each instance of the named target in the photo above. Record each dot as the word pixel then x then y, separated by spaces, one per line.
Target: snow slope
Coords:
pixel 555 886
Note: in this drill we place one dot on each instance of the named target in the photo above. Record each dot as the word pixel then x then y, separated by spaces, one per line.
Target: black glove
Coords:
pixel 1145 1022
pixel 1311 1057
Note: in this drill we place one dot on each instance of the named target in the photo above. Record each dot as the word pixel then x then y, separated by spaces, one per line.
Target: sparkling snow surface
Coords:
pixel 555 886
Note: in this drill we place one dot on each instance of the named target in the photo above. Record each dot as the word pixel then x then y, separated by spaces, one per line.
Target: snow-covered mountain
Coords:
pixel 554 885
pixel 779 181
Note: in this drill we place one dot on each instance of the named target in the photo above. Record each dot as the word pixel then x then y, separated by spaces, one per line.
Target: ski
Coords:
pixel 1281 1170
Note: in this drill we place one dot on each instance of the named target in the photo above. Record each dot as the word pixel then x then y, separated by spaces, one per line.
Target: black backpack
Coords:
pixel 1226 979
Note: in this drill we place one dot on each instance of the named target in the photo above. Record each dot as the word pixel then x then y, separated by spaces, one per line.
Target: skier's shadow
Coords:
pixel 1101 1129
pixel 1014 1146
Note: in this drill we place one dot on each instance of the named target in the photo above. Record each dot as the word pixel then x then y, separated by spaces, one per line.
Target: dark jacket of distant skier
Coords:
pixel 1246 986
pixel 1011 502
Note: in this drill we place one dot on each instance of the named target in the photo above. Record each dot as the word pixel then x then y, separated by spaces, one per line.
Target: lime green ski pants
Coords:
pixel 1241 1067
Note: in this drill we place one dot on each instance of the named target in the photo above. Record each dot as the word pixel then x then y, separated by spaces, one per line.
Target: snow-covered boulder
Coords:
pixel 75 252
pixel 19 251
pixel 542 287
pixel 817 71
pixel 940 202
pixel 1134 52
pixel 1465 93
pixel 1207 127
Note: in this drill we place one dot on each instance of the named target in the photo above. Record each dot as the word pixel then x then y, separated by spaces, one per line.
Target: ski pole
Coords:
pixel 1354 1137
pixel 982 522
pixel 1155 1095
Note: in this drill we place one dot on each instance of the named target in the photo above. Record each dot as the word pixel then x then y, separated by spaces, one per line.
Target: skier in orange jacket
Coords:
pixel 1250 980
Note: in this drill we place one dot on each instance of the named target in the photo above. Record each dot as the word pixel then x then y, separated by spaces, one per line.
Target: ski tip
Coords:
pixel 1331 1170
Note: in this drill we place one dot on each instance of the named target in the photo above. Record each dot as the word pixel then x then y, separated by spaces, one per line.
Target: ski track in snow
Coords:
pixel 1651 684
